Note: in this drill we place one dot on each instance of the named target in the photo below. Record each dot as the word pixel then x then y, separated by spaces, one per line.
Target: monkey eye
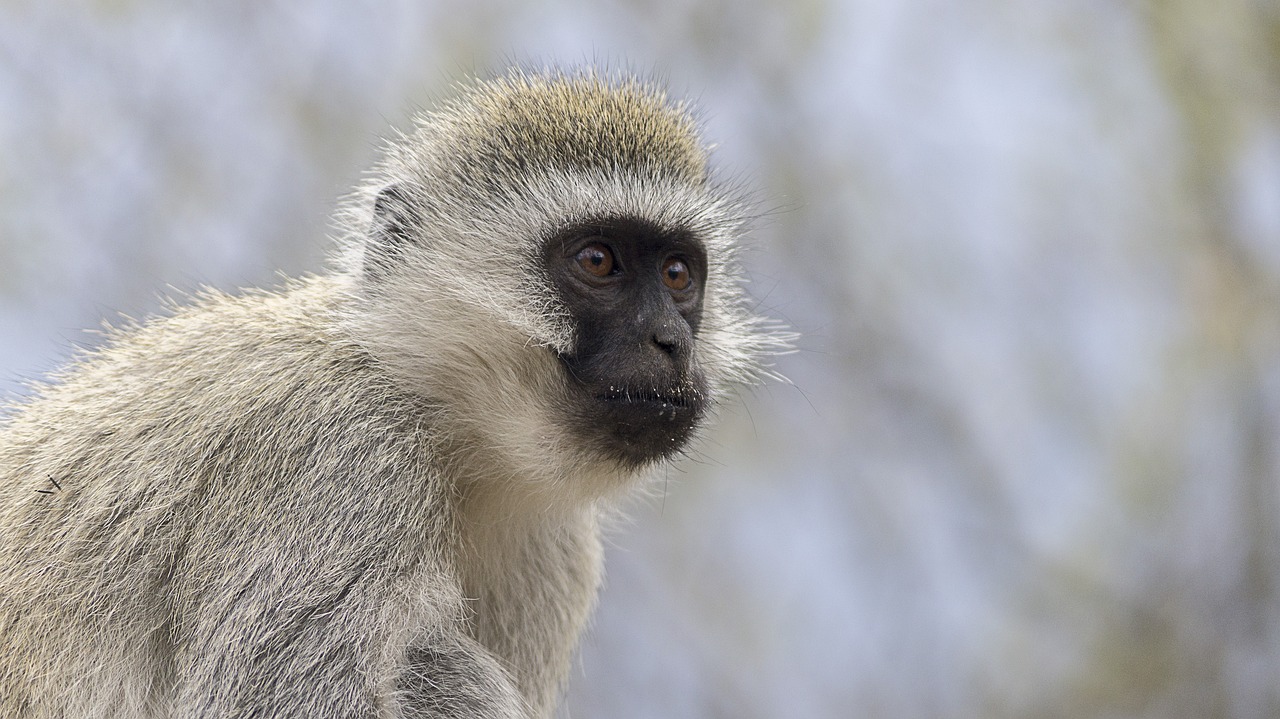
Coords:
pixel 595 259
pixel 675 274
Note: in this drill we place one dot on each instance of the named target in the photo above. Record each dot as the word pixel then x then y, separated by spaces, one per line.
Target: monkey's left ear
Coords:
pixel 392 227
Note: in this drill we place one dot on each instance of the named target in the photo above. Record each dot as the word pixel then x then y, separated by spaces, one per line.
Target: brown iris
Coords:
pixel 596 259
pixel 675 274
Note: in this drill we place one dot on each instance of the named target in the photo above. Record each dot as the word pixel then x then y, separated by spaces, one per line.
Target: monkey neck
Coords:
pixel 514 479
pixel 530 576
pixel 527 550
pixel 501 512
pixel 508 507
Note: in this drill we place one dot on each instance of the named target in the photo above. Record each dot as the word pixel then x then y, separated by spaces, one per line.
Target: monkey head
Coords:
pixel 551 251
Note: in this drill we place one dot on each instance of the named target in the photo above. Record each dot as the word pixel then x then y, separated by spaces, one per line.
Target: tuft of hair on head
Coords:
pixel 525 122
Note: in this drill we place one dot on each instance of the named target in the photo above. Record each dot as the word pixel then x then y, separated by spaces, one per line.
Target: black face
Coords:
pixel 635 294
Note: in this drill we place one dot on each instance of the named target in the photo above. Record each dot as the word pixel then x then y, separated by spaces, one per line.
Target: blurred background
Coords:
pixel 1029 465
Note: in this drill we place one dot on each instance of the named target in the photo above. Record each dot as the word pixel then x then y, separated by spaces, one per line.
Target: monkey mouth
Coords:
pixel 637 421
pixel 645 424
pixel 677 397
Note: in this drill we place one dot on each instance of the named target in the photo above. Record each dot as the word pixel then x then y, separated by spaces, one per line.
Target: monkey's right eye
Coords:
pixel 595 259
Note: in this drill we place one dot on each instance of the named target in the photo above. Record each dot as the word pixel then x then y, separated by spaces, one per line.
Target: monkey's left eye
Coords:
pixel 675 274
pixel 596 259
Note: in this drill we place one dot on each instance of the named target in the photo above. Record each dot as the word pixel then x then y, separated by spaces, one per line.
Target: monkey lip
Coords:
pixel 678 398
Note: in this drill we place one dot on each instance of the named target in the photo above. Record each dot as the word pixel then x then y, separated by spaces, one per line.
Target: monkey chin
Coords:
pixel 640 428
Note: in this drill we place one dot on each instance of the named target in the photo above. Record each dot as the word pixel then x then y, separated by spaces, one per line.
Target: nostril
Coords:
pixel 665 344
pixel 666 338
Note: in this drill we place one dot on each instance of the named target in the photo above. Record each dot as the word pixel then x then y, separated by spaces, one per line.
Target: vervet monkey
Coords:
pixel 375 492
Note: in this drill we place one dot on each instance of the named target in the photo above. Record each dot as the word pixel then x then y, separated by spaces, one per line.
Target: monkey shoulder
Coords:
pixel 254 403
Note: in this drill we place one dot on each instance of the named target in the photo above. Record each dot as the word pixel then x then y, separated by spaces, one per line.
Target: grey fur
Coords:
pixel 349 496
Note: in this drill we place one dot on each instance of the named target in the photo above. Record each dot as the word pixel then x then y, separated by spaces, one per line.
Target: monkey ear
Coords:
pixel 391 229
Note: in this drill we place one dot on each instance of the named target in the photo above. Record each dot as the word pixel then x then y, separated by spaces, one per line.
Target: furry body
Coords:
pixel 356 495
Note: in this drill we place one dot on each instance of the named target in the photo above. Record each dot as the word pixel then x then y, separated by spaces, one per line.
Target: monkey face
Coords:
pixel 634 293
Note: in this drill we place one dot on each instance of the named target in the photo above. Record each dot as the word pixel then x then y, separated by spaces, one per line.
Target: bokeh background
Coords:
pixel 1029 465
